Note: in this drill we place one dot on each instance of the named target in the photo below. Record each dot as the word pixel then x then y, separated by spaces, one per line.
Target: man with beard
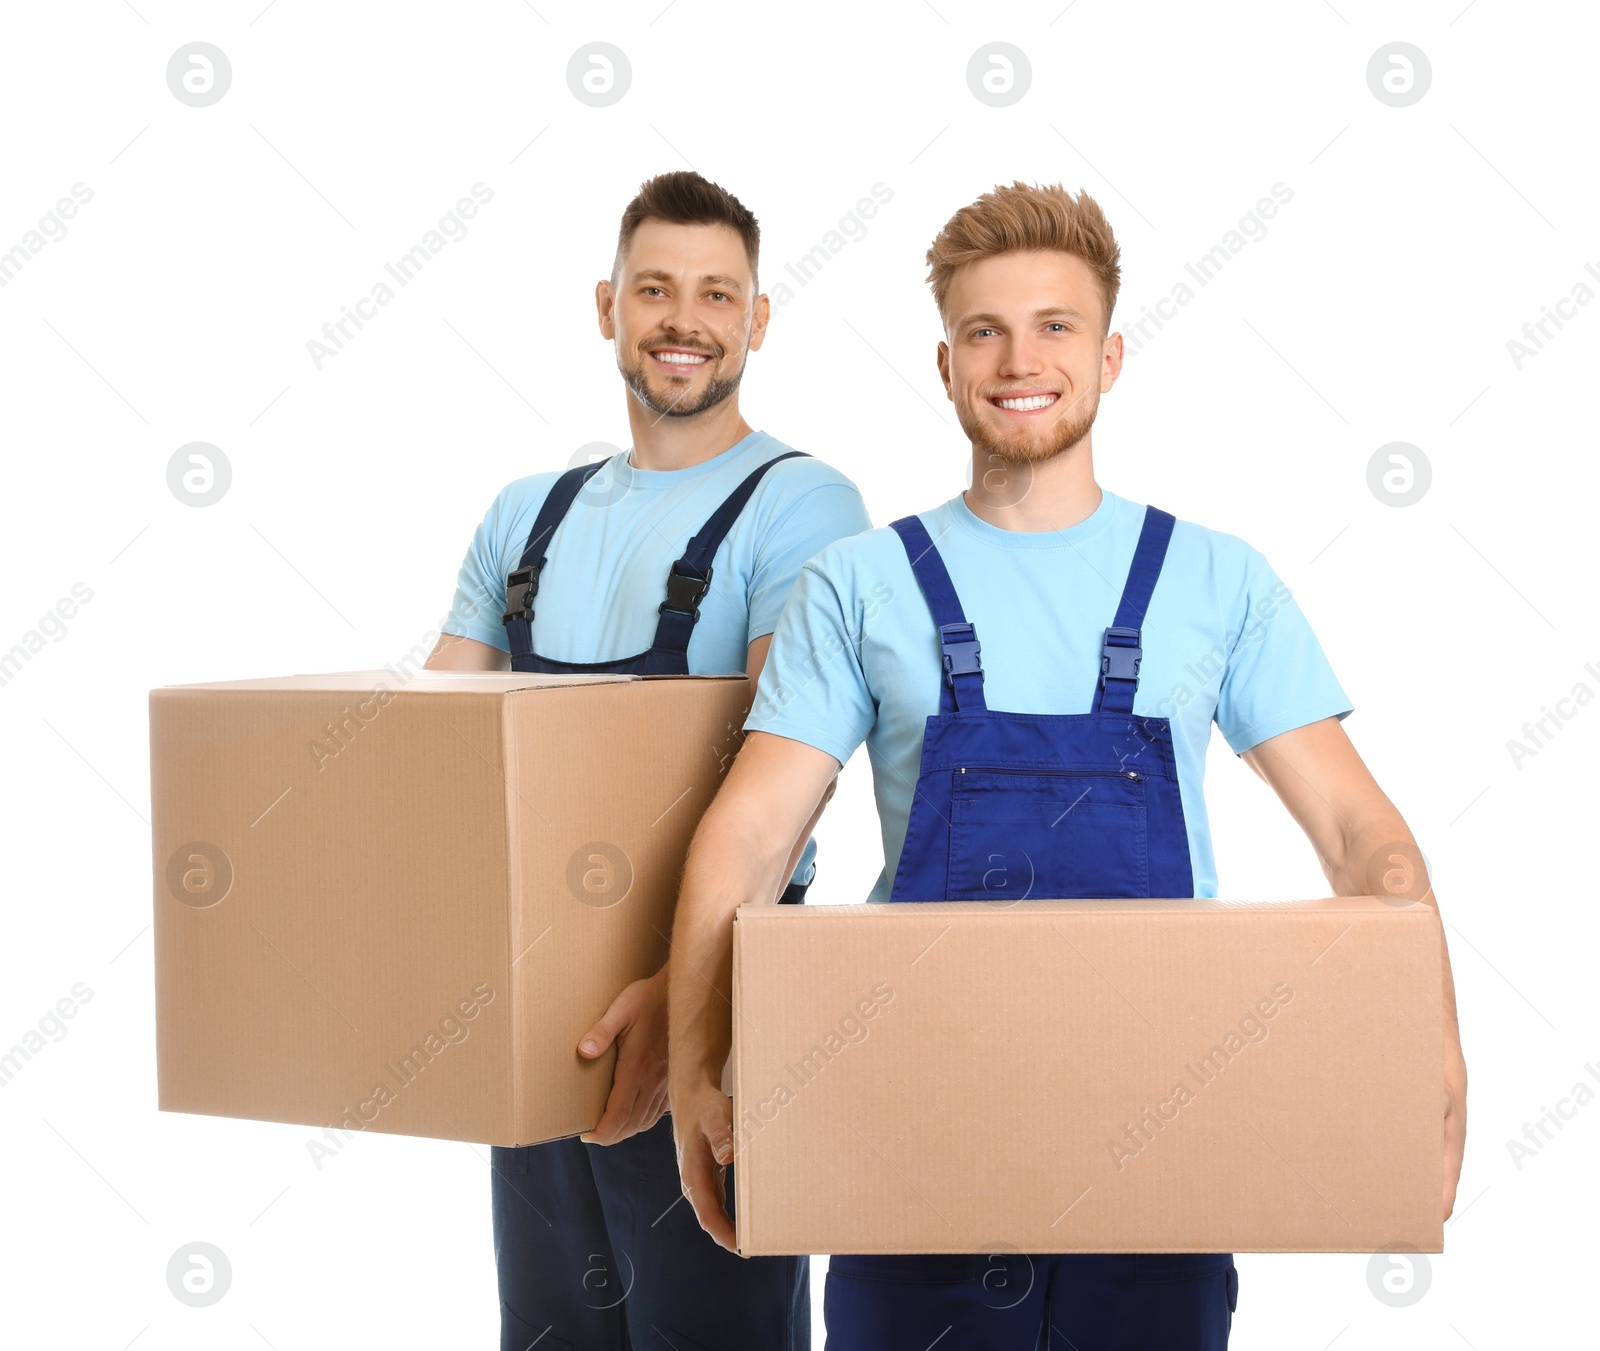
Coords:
pixel 674 559
pixel 1069 745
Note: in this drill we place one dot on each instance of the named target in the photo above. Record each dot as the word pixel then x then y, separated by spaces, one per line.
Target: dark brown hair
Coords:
pixel 685 198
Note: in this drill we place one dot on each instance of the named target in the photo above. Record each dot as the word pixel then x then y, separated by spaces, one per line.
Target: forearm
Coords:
pixel 1366 848
pixel 804 836
pixel 454 653
pixel 730 863
pixel 1378 856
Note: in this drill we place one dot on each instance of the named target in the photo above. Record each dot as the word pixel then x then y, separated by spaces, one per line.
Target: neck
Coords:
pixel 1033 496
pixel 677 442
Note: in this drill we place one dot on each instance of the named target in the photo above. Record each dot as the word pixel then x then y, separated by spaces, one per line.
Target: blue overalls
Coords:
pixel 1008 806
pixel 595 1246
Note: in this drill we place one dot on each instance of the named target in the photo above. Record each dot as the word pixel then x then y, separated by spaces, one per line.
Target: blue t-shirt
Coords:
pixel 856 654
pixel 606 565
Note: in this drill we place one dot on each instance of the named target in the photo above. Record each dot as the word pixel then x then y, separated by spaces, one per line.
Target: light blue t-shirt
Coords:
pixel 856 654
pixel 606 566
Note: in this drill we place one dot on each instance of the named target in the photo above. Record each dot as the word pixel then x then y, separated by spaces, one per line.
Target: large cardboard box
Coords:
pixel 1088 1076
pixel 396 904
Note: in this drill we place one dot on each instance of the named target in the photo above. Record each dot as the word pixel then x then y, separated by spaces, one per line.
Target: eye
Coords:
pixel 1057 324
pixel 720 295
pixel 656 289
pixel 979 332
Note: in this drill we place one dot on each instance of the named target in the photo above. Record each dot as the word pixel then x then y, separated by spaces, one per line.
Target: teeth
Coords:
pixel 679 358
pixel 1029 404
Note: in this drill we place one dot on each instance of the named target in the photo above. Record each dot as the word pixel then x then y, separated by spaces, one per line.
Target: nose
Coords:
pixel 1019 358
pixel 681 318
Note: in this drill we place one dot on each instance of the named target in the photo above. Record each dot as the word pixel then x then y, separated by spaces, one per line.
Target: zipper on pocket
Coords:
pixel 1061 773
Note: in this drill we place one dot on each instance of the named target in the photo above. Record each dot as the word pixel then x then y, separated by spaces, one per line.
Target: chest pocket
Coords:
pixel 1047 835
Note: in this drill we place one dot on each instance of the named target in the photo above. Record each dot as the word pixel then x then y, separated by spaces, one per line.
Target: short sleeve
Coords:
pixel 480 598
pixel 818 517
pixel 1277 677
pixel 812 687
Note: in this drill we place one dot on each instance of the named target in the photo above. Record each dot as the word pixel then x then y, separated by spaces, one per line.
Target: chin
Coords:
pixel 1008 445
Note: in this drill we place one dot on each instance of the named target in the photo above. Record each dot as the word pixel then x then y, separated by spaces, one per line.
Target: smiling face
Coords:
pixel 683 314
pixel 1026 357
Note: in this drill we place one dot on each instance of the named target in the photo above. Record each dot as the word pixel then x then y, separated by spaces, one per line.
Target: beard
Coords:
pixel 718 388
pixel 1018 445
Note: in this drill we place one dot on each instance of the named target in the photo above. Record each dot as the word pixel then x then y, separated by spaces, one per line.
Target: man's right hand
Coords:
pixel 702 1124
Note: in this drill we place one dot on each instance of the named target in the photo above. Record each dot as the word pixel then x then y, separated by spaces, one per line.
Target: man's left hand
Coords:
pixel 637 1022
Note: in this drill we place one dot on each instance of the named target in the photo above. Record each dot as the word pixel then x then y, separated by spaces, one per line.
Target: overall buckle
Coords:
pixel 1120 655
pixel 960 645
pixel 684 593
pixel 521 587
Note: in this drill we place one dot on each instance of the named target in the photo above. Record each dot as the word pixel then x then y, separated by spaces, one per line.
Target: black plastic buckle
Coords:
pixel 960 645
pixel 684 593
pixel 1120 660
pixel 521 587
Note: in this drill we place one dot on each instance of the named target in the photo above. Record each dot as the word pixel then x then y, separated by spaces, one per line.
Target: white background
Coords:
pixel 220 239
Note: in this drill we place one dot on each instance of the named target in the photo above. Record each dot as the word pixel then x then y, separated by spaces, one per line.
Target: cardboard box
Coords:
pixel 1088 1076
pixel 397 909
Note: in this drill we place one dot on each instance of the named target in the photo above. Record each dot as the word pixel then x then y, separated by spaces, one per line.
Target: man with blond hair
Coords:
pixel 1094 613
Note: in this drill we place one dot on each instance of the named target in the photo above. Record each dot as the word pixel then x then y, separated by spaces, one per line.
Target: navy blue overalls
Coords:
pixel 595 1246
pixel 1007 806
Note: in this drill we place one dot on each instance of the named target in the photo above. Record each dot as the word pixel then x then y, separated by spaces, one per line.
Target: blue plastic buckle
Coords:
pixel 960 644
pixel 1120 655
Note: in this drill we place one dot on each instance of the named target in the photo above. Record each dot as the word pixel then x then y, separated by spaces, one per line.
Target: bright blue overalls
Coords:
pixel 1007 806
pixel 595 1246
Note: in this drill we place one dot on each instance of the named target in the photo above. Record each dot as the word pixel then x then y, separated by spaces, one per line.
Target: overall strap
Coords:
pixel 961 689
pixel 523 584
pixel 689 578
pixel 1120 653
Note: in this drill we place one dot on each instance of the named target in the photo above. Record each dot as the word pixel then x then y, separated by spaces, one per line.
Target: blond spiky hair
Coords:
pixel 1024 218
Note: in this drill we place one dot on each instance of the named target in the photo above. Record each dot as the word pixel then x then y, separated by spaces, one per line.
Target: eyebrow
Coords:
pixel 711 279
pixel 1064 311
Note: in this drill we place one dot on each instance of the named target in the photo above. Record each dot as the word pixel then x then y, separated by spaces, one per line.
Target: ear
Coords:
pixel 944 369
pixel 1110 362
pixel 759 321
pixel 605 299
